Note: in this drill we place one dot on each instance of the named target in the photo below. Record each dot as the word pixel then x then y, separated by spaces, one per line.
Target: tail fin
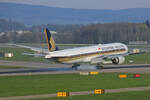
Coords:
pixel 50 40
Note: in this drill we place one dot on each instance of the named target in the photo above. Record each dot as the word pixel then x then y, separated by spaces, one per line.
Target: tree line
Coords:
pixel 84 34
pixel 112 32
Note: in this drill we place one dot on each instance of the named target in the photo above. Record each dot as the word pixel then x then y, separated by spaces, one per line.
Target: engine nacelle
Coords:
pixel 118 60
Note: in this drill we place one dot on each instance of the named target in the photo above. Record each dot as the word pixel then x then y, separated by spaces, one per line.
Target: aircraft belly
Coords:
pixel 71 60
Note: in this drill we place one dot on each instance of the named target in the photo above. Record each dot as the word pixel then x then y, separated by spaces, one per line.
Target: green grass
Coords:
pixel 42 84
pixel 138 59
pixel 10 67
pixel 19 57
pixel 137 95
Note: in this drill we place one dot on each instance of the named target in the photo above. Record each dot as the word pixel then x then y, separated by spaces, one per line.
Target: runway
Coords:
pixel 30 68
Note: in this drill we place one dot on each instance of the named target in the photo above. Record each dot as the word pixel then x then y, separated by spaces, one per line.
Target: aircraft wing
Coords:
pixel 118 55
pixel 35 54
pixel 39 50
pixel 96 60
pixel 102 58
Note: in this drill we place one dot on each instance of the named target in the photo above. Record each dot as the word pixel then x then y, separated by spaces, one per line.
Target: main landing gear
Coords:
pixel 99 66
pixel 75 66
pixel 87 67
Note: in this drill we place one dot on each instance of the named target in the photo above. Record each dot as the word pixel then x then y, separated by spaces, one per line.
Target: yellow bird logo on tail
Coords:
pixel 50 40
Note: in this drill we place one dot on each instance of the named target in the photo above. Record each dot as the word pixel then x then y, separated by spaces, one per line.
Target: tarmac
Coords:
pixel 32 68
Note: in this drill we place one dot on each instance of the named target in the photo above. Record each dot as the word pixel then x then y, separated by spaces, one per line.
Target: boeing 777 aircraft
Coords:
pixel 93 55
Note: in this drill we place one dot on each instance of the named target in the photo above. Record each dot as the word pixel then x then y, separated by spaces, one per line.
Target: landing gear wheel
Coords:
pixel 99 67
pixel 75 66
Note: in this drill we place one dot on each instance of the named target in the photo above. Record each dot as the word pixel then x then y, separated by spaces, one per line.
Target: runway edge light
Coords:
pixel 84 73
pixel 99 91
pixel 62 94
pixel 94 73
pixel 122 76
pixel 136 75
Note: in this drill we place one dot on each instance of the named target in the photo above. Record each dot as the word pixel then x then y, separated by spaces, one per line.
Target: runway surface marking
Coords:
pixel 76 93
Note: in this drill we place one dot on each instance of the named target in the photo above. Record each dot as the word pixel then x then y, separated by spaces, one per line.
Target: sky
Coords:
pixel 87 4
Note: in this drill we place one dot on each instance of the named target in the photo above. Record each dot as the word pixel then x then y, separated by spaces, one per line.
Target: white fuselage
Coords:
pixel 86 54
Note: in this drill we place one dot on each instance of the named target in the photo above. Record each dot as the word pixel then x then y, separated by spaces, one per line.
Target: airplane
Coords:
pixel 93 55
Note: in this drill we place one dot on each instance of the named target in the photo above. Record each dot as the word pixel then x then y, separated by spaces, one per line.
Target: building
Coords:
pixel 138 42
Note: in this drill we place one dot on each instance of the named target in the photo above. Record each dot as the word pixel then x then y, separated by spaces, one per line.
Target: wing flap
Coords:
pixel 97 60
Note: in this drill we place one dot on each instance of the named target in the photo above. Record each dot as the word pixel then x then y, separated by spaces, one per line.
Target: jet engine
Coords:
pixel 118 60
